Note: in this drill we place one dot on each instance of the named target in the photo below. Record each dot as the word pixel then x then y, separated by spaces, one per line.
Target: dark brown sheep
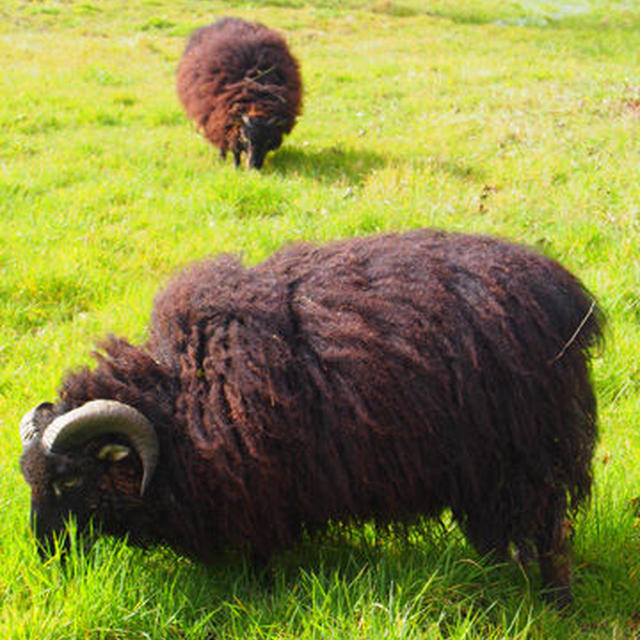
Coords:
pixel 378 378
pixel 239 82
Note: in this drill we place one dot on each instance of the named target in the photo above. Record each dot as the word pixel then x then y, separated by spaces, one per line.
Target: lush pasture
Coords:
pixel 520 119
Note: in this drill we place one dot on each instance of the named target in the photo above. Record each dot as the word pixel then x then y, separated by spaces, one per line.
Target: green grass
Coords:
pixel 518 119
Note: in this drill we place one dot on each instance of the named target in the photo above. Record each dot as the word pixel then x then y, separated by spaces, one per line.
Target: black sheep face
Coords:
pixel 258 136
pixel 96 482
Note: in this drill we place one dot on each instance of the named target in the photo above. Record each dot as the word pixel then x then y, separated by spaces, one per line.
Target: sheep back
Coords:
pixel 384 378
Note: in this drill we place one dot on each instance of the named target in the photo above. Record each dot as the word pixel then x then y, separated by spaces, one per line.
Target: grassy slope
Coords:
pixel 516 119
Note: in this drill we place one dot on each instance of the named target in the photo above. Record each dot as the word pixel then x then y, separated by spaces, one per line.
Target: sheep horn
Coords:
pixel 28 427
pixel 105 416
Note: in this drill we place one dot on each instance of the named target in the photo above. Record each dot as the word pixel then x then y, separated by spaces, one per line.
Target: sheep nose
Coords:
pixel 44 538
pixel 43 533
pixel 34 520
pixel 255 157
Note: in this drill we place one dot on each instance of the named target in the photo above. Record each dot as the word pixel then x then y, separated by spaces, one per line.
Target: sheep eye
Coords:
pixel 69 483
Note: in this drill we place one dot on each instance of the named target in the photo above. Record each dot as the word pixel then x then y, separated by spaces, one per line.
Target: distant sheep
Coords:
pixel 378 378
pixel 238 81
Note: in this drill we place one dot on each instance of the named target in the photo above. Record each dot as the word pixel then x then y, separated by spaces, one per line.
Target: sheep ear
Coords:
pixel 114 452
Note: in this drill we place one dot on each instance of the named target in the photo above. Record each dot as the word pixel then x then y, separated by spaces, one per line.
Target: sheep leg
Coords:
pixel 236 158
pixel 554 555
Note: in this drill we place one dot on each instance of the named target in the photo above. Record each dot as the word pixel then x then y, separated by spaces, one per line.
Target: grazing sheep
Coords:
pixel 238 81
pixel 379 378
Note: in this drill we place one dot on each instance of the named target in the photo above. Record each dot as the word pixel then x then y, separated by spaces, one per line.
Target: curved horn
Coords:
pixel 105 416
pixel 28 428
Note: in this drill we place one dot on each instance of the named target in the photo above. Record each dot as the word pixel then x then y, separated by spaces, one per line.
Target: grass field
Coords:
pixel 519 119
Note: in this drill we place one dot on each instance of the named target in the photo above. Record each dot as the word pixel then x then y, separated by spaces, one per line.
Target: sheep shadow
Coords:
pixel 427 570
pixel 332 164
pixel 336 164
